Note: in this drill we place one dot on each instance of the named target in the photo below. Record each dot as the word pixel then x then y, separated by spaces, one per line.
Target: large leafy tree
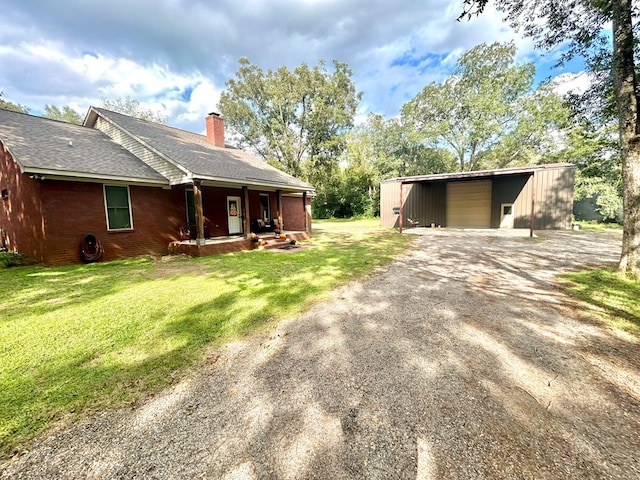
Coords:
pixel 16 107
pixel 394 151
pixel 376 149
pixel 580 24
pixel 486 112
pixel 65 114
pixel 296 118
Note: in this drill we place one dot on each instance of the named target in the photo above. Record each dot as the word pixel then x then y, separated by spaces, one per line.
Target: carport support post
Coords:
pixel 197 199
pixel 245 211
pixel 401 217
pixel 533 204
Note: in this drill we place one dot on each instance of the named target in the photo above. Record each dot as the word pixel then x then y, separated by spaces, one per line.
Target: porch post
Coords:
pixel 245 212
pixel 279 199
pixel 197 199
pixel 304 211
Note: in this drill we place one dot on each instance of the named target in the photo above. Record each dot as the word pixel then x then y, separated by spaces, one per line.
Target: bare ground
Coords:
pixel 463 359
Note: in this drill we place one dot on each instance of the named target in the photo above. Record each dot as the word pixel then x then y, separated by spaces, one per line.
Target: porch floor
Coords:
pixel 226 244
pixel 213 240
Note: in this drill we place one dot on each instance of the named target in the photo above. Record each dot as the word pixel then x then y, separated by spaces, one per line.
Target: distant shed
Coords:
pixel 501 198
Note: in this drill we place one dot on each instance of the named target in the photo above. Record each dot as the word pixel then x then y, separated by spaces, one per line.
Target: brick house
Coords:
pixel 140 187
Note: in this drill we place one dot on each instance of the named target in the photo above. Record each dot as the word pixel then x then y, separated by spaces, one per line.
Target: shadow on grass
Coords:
pixel 107 334
pixel 605 291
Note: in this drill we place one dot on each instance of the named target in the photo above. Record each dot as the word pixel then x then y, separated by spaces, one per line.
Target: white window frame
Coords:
pixel 106 208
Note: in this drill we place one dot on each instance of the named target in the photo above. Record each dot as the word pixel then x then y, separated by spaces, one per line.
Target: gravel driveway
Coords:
pixel 460 360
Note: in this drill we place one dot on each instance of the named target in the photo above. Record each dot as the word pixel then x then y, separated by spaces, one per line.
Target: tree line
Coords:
pixel 485 115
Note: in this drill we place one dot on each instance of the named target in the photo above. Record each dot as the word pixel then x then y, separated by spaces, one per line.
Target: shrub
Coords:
pixel 13 259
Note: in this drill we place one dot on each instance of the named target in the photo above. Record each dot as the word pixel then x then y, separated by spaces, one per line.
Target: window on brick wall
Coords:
pixel 117 204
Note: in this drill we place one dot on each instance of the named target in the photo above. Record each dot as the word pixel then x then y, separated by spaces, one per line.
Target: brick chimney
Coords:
pixel 215 129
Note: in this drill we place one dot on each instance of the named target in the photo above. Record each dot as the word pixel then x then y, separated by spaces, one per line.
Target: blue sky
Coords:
pixel 174 56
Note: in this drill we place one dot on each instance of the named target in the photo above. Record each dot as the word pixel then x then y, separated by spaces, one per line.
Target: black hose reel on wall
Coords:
pixel 90 248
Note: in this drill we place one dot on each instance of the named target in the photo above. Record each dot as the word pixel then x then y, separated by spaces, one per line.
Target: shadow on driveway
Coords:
pixel 462 359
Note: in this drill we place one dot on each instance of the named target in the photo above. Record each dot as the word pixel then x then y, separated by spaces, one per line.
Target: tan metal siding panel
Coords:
pixel 554 198
pixel 152 159
pixel 522 206
pixel 389 198
pixel 469 204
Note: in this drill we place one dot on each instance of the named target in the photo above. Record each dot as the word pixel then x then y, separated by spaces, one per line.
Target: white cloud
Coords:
pixel 576 83
pixel 175 56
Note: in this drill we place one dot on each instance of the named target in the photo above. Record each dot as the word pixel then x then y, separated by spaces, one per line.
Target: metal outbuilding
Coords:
pixel 538 197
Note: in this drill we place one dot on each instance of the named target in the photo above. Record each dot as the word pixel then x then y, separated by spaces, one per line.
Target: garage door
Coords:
pixel 469 204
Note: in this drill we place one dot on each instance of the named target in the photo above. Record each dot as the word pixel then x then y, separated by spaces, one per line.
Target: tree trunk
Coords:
pixel 627 104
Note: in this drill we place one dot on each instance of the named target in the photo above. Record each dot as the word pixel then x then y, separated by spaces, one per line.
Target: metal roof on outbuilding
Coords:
pixel 478 174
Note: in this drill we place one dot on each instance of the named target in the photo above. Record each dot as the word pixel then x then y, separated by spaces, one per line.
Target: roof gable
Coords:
pixel 194 154
pixel 42 145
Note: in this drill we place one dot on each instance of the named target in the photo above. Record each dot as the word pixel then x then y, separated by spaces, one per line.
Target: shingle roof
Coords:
pixel 41 144
pixel 203 159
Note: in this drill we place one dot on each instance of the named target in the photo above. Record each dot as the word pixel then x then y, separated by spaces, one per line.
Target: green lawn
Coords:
pixel 612 297
pixel 600 227
pixel 81 338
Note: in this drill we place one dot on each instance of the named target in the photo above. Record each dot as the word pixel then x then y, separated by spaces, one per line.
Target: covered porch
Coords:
pixel 222 216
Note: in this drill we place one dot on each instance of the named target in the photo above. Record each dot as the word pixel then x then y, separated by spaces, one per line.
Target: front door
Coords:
pixel 234 212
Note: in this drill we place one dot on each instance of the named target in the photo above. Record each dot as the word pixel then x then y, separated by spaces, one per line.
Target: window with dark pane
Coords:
pixel 118 209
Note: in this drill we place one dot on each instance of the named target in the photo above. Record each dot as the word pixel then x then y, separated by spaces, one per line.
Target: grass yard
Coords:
pixel 82 338
pixel 612 297
pixel 600 227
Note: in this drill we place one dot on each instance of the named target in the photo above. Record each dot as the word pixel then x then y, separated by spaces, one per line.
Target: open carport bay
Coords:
pixel 462 359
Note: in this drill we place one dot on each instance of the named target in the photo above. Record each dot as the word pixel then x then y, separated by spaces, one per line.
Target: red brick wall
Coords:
pixel 293 212
pixel 47 219
pixel 214 207
pixel 73 209
pixel 20 212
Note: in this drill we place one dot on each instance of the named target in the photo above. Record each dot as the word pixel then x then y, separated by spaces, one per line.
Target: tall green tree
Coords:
pixel 581 24
pixel 131 106
pixel 486 113
pixel 394 152
pixel 66 114
pixel 292 117
pixel 16 107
